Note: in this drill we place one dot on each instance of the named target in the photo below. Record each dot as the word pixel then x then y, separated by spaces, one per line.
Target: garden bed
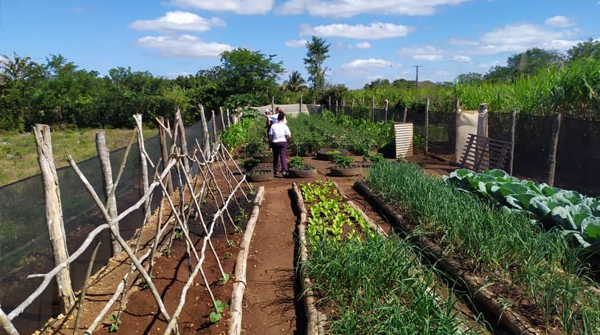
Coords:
pixel 529 278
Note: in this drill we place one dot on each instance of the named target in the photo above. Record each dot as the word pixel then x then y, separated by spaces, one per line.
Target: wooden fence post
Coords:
pixel 300 108
pixel 222 119
pixel 427 127
pixel 273 103
pixel 387 105
pixel 228 119
pixel 54 215
pixel 337 107
pixel 205 130
pixel 513 136
pixel 373 109
pixel 554 147
pixel 143 164
pixel 107 178
pixel 214 123
pixel 329 106
pixel 183 140
pixel 405 114
pixel 344 106
pixel 164 153
pixel 456 155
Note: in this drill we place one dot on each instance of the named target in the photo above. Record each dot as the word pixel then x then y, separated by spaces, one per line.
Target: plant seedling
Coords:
pixel 223 281
pixel 216 315
pixel 114 324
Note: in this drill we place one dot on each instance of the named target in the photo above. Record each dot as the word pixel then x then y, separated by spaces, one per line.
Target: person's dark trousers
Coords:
pixel 280 153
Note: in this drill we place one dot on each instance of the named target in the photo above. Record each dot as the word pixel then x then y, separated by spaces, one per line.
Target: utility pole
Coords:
pixel 417 81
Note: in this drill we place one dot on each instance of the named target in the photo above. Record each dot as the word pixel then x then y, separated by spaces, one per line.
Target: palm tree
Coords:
pixel 294 83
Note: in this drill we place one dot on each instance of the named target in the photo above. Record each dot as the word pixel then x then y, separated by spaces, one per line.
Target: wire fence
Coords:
pixel 25 247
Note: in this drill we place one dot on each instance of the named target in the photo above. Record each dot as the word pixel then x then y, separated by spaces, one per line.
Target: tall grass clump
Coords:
pixel 497 244
pixel 377 286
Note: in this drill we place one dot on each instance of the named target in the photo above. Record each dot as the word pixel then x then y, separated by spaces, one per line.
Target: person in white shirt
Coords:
pixel 279 134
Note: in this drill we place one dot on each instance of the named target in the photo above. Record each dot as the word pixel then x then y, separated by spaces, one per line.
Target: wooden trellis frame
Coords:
pixel 208 160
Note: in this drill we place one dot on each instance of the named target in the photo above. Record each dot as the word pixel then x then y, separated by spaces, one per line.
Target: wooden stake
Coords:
pixel 144 164
pixel 164 154
pixel 205 130
pixel 183 140
pixel 373 108
pixel 239 286
pixel 405 114
pixel 54 215
pixel 228 120
pixel 84 288
pixel 427 127
pixel 300 108
pixel 554 148
pixel 214 124
pixel 329 106
pixel 273 104
pixel 387 105
pixel 222 119
pixel 6 324
pixel 104 156
pixel 337 107
pixel 513 135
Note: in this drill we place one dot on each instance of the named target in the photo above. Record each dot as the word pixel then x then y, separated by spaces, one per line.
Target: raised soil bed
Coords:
pixel 309 173
pixel 324 154
pixel 259 176
pixel 352 171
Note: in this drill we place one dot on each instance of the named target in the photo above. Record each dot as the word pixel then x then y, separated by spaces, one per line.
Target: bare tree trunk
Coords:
pixel 554 147
pixel 54 215
pixel 427 127
pixel 222 119
pixel 214 124
pixel 228 119
pixel 143 163
pixel 107 179
pixel 513 135
pixel 164 153
pixel 405 114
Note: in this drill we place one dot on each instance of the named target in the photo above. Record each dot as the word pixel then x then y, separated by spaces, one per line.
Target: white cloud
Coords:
pixel 366 65
pixel 375 31
pixel 460 41
pixel 246 7
pixel 178 21
pixel 459 58
pixel 520 37
pixel 173 75
pixel 560 22
pixel 487 66
pixel 425 53
pixel 363 45
pixel 296 43
pixel 349 8
pixel 183 46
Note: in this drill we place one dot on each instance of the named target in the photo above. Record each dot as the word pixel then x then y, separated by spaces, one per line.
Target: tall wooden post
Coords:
pixel 54 215
pixel 329 106
pixel 456 154
pixel 387 105
pixel 344 106
pixel 513 136
pixel 164 153
pixel 183 140
pixel 222 119
pixel 373 109
pixel 214 124
pixel 206 148
pixel 273 103
pixel 554 147
pixel 143 165
pixel 427 127
pixel 107 180
pixel 337 107
pixel 405 114
pixel 228 119
pixel 300 108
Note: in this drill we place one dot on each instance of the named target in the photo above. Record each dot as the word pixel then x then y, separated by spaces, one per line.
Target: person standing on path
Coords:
pixel 279 134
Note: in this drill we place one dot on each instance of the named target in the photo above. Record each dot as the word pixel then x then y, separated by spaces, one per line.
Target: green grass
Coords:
pixel 18 155
pixel 500 245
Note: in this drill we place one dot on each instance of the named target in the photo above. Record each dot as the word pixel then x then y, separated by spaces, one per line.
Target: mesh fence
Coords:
pixel 24 244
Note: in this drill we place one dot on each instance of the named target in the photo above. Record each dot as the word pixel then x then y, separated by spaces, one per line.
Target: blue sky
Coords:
pixel 369 38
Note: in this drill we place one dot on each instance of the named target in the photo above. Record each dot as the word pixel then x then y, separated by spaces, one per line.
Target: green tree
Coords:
pixel 295 82
pixel 525 63
pixel 471 77
pixel 249 72
pixel 316 54
pixel 587 49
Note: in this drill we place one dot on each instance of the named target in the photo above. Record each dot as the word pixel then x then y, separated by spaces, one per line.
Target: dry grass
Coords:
pixel 18 156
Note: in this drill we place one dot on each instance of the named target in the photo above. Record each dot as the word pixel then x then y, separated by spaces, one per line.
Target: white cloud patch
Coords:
pixel 520 37
pixel 296 43
pixel 245 7
pixel 459 58
pixel 460 41
pixel 424 53
pixel 560 21
pixel 349 8
pixel 178 21
pixel 367 65
pixel 375 31
pixel 183 46
pixel 363 45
